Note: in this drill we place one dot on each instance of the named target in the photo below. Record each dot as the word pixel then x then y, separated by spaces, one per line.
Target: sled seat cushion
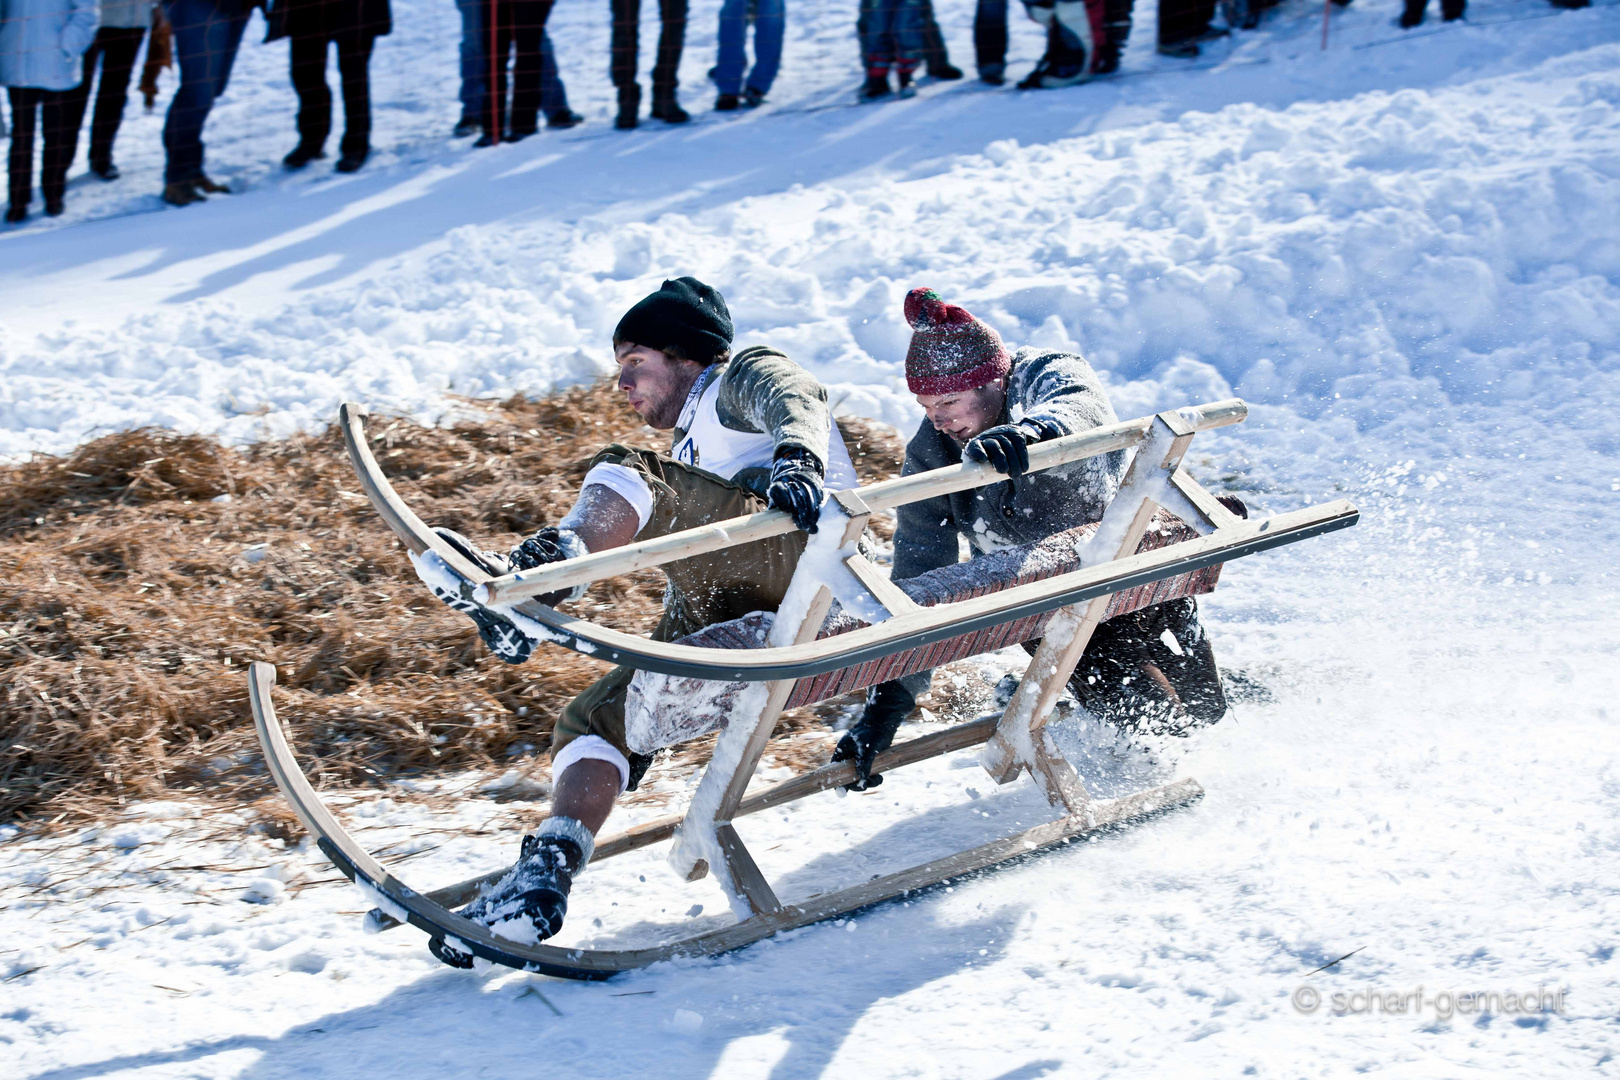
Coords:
pixel 663 710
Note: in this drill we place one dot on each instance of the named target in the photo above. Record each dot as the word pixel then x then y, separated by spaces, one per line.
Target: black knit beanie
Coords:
pixel 683 313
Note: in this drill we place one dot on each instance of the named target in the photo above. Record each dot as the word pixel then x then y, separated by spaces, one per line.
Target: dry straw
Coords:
pixel 140 574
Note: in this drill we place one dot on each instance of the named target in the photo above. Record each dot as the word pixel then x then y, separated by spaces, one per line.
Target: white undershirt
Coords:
pixel 711 446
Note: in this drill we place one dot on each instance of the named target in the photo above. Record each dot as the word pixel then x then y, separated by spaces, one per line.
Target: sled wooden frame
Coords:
pixel 430 912
pixel 1015 742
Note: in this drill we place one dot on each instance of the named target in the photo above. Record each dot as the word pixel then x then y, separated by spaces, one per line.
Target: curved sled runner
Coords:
pixel 1163 535
pixel 431 911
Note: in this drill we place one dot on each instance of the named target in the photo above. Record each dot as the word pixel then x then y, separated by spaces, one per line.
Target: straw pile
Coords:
pixel 142 573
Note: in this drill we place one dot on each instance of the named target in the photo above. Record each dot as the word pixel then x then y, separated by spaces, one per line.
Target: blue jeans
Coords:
pixel 206 36
pixel 769 20
pixel 475 66
pixel 891 33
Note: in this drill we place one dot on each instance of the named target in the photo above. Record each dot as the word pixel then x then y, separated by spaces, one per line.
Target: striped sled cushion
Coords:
pixel 662 710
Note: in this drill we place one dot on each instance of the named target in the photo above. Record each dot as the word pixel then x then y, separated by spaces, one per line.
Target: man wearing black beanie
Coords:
pixel 748 432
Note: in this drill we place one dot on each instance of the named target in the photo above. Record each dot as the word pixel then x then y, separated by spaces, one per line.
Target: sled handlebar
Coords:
pixel 886 495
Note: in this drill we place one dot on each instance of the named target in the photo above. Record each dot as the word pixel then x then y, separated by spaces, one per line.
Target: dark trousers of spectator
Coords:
pixel 115 47
pixel 891 33
pixel 933 39
pixel 206 36
pixel 1184 20
pixel 31 106
pixel 475 44
pixel 990 38
pixel 520 27
pixel 990 32
pixel 1415 9
pixel 308 63
pixel 626 44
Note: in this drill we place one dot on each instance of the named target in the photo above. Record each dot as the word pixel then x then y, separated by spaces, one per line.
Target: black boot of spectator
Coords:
pixel 877 87
pixel 629 107
pixel 667 109
pixel 302 155
pixel 353 158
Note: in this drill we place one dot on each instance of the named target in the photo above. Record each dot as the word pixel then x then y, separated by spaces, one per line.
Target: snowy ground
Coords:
pixel 1406 253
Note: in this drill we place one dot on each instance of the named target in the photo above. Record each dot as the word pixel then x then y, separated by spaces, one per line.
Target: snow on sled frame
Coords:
pixel 705 838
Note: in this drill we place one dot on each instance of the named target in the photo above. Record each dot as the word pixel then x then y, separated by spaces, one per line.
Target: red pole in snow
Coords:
pixel 1327 6
pixel 494 104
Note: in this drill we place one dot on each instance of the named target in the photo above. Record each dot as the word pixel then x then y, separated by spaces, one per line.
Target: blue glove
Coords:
pixel 796 487
pixel 1006 448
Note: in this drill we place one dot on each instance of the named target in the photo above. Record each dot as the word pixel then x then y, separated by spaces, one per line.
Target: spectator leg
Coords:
pixel 671 40
pixel 77 99
pixel 874 26
pixel 59 143
pixel 553 95
pixel 474 57
pixel 307 60
pixel 24 110
pixel 990 39
pixel 529 27
pixel 120 45
pixel 931 46
pixel 1452 9
pixel 205 43
pixel 770 25
pixel 909 30
pixel 354 69
pixel 624 44
pixel 1116 32
pixel 732 59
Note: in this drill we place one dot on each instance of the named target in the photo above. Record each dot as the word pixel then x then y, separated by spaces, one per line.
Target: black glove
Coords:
pixel 504 639
pixel 1006 447
pixel 796 487
pixel 549 545
pixel 543 547
pixel 886 705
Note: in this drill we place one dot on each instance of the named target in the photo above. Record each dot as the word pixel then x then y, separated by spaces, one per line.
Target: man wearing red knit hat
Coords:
pixel 986 404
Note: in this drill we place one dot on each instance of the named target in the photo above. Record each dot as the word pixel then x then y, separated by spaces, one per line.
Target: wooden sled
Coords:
pixel 1114 571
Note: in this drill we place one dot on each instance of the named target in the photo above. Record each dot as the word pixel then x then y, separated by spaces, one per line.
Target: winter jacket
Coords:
pixel 42 42
pixel 735 419
pixel 750 408
pixel 328 18
pixel 1055 385
pixel 126 14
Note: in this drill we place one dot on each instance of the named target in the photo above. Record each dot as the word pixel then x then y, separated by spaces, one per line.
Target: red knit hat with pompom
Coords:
pixel 951 351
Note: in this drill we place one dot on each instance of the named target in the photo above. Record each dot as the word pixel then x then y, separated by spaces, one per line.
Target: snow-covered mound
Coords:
pixel 1404 250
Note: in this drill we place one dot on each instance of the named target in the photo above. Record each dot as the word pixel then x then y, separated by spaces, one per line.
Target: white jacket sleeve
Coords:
pixel 80 30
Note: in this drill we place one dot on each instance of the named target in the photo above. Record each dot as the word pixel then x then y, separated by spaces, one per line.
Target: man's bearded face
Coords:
pixel 654 383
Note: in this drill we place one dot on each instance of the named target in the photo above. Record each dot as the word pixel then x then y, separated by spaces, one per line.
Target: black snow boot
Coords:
pixel 876 88
pixel 629 107
pixel 667 109
pixel 887 704
pixel 533 892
